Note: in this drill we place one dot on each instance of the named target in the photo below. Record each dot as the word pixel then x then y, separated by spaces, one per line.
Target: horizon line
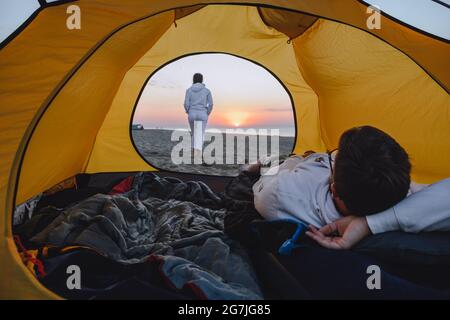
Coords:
pixel 209 130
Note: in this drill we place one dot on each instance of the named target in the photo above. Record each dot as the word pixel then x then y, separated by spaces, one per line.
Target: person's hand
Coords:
pixel 341 234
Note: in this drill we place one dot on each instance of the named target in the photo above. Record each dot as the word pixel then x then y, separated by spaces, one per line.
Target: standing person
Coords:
pixel 198 105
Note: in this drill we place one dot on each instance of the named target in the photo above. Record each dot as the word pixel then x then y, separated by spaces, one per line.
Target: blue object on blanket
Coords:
pixel 290 244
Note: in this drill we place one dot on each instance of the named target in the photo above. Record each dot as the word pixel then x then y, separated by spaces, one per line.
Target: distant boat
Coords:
pixel 137 127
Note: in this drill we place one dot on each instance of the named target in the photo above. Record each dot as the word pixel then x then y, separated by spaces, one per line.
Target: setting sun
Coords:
pixel 237 118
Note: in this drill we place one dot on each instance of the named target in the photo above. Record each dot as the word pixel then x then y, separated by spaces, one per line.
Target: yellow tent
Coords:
pixel 67 96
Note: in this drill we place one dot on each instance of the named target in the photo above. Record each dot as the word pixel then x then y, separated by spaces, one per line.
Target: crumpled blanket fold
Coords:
pixel 181 223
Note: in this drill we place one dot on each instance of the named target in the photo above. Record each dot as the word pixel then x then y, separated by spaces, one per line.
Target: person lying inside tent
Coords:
pixel 360 190
pixel 409 215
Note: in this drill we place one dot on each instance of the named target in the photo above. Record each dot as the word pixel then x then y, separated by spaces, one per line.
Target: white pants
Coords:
pixel 197 122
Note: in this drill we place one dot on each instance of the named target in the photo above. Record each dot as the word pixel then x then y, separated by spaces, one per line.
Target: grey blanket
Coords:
pixel 179 224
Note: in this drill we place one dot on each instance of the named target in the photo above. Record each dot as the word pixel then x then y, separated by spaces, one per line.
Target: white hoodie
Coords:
pixel 198 98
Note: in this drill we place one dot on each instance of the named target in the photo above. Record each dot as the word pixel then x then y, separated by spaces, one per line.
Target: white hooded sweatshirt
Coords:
pixel 198 98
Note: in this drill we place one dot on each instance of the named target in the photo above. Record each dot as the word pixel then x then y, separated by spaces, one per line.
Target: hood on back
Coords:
pixel 197 86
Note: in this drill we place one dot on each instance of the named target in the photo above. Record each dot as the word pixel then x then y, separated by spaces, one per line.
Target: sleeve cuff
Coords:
pixel 383 222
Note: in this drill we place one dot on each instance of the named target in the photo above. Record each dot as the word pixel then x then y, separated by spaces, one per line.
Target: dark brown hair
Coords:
pixel 371 172
pixel 198 78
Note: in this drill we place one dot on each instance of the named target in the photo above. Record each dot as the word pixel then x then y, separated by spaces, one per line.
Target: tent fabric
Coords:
pixel 183 12
pixel 27 78
pixel 265 46
pixel 290 23
pixel 83 104
pixel 67 96
pixel 374 78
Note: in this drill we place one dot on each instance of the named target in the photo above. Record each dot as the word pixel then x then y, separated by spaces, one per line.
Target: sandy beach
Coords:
pixel 155 146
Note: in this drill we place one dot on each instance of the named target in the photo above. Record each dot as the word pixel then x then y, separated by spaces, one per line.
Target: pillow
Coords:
pixel 422 258
pixel 426 249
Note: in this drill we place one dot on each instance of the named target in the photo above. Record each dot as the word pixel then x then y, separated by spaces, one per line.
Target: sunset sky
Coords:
pixel 245 95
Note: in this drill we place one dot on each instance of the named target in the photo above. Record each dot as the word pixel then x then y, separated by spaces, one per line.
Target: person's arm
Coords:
pixel 425 210
pixel 210 102
pixel 186 101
